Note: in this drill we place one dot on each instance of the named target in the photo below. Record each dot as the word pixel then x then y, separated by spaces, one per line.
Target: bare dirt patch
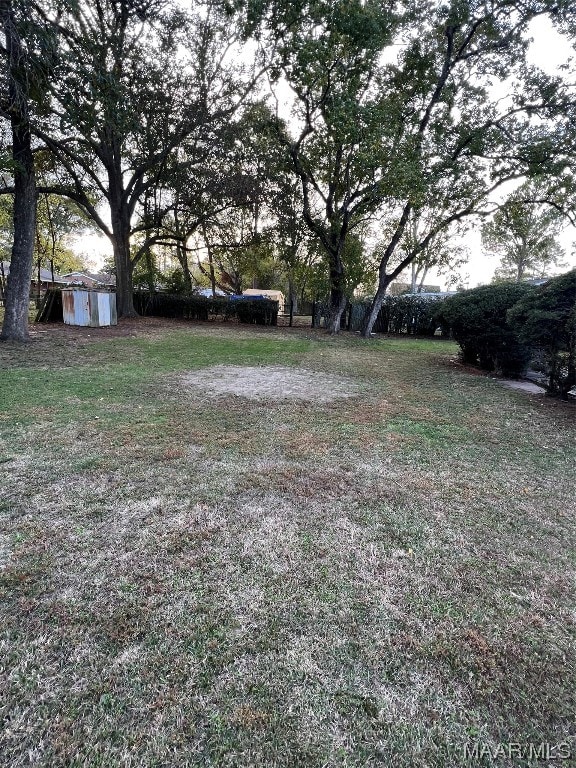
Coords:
pixel 270 383
pixel 126 328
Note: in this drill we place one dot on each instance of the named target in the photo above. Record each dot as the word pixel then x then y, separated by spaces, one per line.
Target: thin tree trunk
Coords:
pixel 210 260
pixel 149 260
pixel 293 297
pixel 384 280
pixel 53 238
pixel 375 307
pixel 182 257
pixel 15 326
pixel 423 280
pixel 414 278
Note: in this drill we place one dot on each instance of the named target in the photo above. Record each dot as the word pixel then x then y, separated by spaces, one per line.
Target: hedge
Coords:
pixel 412 314
pixel 477 319
pixel 545 320
pixel 244 309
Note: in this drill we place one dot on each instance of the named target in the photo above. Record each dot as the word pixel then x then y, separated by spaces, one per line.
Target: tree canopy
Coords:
pixel 158 129
pixel 397 106
pixel 524 234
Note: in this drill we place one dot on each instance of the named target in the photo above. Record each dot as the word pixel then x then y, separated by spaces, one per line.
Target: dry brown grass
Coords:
pixel 189 581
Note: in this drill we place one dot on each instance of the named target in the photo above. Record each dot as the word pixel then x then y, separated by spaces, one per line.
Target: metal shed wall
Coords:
pixel 89 308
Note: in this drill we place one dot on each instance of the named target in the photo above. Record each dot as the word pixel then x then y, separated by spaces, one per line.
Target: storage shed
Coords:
pixel 268 294
pixel 90 308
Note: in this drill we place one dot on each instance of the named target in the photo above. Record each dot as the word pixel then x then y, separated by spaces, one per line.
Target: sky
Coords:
pixel 549 50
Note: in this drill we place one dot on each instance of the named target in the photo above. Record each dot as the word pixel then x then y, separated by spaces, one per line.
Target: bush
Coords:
pixel 478 322
pixel 545 320
pixel 246 310
pixel 413 314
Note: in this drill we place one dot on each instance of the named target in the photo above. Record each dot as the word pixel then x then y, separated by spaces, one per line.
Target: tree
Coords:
pixel 329 55
pixel 232 208
pixel 292 237
pixel 524 235
pixel 20 75
pixel 465 143
pixel 139 82
pixel 57 218
pixel 397 109
pixel 200 185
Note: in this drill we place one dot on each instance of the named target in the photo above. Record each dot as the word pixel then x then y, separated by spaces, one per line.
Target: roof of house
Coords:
pixel 45 274
pixel 98 277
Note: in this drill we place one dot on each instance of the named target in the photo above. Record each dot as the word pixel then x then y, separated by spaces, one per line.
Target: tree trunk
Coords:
pixel 210 260
pixel 423 280
pixel 182 257
pixel 337 307
pixel 375 307
pixel 150 269
pixel 122 260
pixel 384 280
pixel 414 278
pixel 293 297
pixel 337 292
pixel 15 326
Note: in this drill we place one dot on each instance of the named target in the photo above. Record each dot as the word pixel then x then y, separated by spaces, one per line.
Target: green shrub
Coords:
pixel 413 314
pixel 545 319
pixel 258 311
pixel 478 322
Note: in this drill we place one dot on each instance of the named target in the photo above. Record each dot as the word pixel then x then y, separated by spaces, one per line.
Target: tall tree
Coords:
pixel 398 109
pixel 329 54
pixel 17 79
pixel 217 190
pixel 525 236
pixel 467 142
pixel 137 80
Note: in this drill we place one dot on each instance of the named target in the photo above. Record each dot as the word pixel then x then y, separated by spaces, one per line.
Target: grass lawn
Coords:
pixel 188 580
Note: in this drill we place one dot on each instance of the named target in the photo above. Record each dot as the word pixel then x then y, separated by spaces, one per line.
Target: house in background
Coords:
pixel 90 279
pixel 44 278
pixel 268 294
pixel 41 280
pixel 397 288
